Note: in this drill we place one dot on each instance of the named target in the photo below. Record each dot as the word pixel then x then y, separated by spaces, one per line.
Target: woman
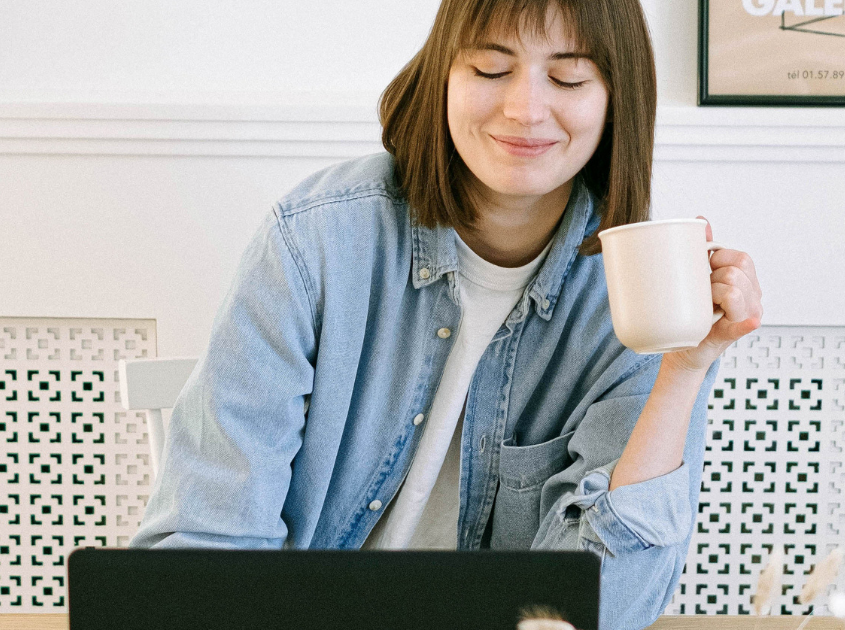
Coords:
pixel 417 349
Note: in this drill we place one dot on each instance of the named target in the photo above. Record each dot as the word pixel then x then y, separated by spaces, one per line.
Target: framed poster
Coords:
pixel 771 52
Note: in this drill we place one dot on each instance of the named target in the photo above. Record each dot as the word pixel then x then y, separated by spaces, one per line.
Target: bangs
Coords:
pixel 515 19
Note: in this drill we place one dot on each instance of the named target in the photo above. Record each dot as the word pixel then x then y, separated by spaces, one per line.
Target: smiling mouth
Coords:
pixel 524 147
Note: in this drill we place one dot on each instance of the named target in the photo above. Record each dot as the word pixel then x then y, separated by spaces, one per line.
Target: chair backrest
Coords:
pixel 153 385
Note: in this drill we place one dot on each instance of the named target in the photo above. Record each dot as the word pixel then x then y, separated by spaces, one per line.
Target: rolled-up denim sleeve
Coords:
pixel 653 513
pixel 239 421
pixel 641 531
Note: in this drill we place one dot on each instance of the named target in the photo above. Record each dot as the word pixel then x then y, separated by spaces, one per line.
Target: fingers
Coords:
pixel 740 261
pixel 735 278
pixel 732 257
pixel 737 292
pixel 737 304
pixel 742 315
pixel 732 300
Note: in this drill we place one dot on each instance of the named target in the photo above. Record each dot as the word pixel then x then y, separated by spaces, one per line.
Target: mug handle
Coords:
pixel 717 311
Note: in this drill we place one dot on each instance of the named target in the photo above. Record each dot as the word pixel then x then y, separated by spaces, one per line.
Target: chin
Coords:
pixel 522 187
pixel 523 192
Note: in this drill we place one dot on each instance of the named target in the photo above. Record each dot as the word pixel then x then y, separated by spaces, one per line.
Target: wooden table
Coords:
pixel 742 622
pixel 667 622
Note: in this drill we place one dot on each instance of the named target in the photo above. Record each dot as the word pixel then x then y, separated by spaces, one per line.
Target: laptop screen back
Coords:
pixel 324 590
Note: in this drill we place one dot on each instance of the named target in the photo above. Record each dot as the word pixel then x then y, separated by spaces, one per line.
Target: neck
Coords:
pixel 511 232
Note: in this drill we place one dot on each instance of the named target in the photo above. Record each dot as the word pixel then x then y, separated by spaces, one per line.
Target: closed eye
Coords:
pixel 499 75
pixel 487 75
pixel 568 86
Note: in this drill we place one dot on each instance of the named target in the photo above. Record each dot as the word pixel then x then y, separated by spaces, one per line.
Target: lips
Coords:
pixel 524 147
pixel 525 142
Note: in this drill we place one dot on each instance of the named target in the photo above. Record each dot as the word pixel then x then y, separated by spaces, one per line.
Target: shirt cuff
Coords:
pixel 196 540
pixel 652 513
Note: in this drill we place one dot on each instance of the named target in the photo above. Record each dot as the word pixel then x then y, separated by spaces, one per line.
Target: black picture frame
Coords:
pixel 748 100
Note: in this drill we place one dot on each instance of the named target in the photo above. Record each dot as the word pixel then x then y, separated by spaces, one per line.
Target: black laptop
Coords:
pixel 328 590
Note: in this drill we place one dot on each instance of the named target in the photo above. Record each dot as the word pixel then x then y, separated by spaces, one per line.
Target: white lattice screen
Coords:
pixel 774 470
pixel 75 466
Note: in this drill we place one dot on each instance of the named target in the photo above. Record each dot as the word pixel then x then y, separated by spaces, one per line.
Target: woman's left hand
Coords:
pixel 737 291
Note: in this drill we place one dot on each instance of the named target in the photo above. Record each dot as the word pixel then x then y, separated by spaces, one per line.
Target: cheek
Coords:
pixel 455 105
pixel 588 117
pixel 453 115
pixel 598 109
pixel 466 108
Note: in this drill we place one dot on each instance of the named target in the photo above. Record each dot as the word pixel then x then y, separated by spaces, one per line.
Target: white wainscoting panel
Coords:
pixel 774 471
pixel 74 470
pixel 74 465
pixel 331 129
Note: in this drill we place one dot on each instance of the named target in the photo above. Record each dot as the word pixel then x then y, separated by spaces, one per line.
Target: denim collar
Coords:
pixel 435 254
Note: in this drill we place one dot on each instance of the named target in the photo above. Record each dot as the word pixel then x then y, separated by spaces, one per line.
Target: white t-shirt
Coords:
pixel 424 513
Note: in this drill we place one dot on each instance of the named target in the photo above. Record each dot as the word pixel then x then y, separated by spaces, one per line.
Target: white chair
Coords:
pixel 153 385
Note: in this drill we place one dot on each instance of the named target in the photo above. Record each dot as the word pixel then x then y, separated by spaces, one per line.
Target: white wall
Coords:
pixel 141 142
pixel 91 47
pixel 142 49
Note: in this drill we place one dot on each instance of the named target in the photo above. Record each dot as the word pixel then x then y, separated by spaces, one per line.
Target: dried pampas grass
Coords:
pixel 544 624
pixel 768 585
pixel 542 618
pixel 823 575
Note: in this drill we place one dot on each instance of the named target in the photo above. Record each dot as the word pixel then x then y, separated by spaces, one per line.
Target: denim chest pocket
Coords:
pixel 522 472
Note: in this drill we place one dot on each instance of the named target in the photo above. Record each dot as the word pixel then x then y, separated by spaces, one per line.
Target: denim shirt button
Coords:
pixel 425 274
pixel 546 304
pixel 444 333
pixel 418 419
pixel 375 505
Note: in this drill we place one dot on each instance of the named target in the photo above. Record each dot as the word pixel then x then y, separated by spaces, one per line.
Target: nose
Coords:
pixel 526 100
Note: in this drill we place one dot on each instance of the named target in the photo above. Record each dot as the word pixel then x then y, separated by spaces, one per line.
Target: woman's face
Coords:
pixel 526 116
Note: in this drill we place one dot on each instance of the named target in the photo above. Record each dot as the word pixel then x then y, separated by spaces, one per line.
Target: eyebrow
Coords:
pixel 553 57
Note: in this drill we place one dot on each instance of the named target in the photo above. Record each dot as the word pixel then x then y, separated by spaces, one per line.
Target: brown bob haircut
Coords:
pixel 413 111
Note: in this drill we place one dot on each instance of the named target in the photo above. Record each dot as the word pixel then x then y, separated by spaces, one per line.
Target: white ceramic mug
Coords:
pixel 658 284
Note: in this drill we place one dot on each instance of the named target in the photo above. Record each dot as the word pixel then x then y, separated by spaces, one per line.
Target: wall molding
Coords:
pixel 717 134
pixel 344 128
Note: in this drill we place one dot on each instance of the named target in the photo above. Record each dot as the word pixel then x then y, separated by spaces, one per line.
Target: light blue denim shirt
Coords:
pixel 296 428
